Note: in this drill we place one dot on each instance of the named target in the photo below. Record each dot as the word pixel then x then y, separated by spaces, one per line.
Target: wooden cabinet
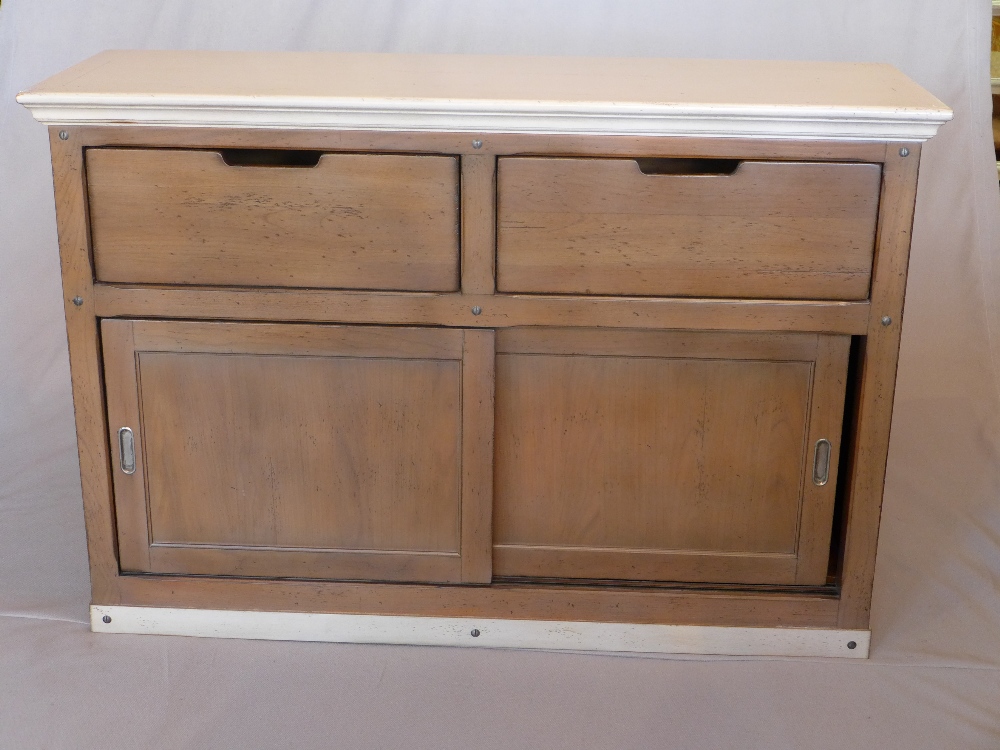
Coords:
pixel 498 351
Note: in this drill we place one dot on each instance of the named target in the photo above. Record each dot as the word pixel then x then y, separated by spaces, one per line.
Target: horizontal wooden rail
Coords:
pixel 494 311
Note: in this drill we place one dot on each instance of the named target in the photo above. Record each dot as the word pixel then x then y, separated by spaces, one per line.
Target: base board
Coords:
pixel 485 633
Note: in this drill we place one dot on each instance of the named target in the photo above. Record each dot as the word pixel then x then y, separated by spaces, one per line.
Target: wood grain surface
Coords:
pixel 478 370
pixel 306 451
pixel 612 356
pixel 124 410
pixel 496 310
pixel 312 452
pixel 660 455
pixel 79 302
pixel 478 224
pixel 370 221
pixel 490 144
pixel 876 385
pixel 504 600
pixel 779 230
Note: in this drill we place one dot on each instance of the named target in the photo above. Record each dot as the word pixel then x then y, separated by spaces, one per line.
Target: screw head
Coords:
pixel 477 144
pixel 904 151
pixel 886 320
pixel 106 619
pixel 852 645
pixel 477 310
pixel 78 301
pixel 63 135
pixel 475 633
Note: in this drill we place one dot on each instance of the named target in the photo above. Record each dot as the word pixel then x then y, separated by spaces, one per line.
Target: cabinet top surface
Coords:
pixel 489 94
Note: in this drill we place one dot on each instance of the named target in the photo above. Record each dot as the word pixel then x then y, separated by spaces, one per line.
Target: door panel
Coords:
pixel 665 455
pixel 305 451
pixel 301 450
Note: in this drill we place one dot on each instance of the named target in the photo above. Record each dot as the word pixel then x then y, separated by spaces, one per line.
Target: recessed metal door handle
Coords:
pixel 821 462
pixel 126 450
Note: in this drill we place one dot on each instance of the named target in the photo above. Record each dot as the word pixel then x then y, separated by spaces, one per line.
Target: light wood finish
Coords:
pixel 478 224
pixel 516 80
pixel 491 93
pixel 302 451
pixel 536 602
pixel 876 385
pixel 664 455
pixel 497 311
pixel 769 230
pixel 369 221
pixel 84 360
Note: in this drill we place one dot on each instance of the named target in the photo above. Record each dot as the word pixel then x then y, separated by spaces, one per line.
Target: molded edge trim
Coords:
pixel 492 633
pixel 791 122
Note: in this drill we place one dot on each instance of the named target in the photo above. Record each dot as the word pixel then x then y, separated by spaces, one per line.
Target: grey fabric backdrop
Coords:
pixel 934 677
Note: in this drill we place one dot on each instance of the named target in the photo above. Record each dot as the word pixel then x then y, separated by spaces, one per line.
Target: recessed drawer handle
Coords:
pixel 821 462
pixel 675 166
pixel 269 157
pixel 126 450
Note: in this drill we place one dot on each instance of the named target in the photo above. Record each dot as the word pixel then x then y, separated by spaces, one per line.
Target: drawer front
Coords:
pixel 308 451
pixel 753 229
pixel 666 455
pixel 349 221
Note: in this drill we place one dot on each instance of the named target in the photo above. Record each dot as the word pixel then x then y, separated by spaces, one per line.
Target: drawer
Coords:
pixel 274 218
pixel 687 227
pixel 667 455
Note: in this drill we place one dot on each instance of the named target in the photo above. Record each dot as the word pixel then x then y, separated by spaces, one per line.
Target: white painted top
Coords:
pixel 490 94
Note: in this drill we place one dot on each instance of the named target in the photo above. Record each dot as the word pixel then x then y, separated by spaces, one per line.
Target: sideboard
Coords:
pixel 502 351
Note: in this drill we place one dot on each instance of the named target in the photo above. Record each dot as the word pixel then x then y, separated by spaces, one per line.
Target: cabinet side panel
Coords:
pixel 85 361
pixel 878 380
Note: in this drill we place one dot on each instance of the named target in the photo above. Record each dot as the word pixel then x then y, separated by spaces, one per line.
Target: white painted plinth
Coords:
pixel 458 631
